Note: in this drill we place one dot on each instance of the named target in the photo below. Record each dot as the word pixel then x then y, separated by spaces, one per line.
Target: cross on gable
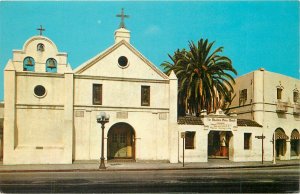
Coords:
pixel 41 29
pixel 122 16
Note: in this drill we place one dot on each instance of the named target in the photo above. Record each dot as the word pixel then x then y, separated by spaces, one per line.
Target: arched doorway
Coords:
pixel 295 143
pixel 121 142
pixel 280 144
pixel 219 144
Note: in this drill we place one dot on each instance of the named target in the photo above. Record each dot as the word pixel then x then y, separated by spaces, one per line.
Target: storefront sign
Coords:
pixel 220 123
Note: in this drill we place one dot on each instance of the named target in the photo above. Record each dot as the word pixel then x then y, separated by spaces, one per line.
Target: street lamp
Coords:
pixel 102 118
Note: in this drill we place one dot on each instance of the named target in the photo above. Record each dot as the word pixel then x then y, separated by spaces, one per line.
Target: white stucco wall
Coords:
pixel 254 153
pixel 44 130
pixel 107 65
pixel 151 133
pixel 54 85
pixel 38 130
pixel 199 153
pixel 118 93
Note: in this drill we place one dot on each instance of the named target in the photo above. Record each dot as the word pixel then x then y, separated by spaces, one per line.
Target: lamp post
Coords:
pixel 102 118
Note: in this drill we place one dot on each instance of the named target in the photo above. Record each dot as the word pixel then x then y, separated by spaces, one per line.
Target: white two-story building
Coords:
pixel 272 100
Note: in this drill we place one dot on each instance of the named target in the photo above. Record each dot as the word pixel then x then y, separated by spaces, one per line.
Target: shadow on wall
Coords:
pixel 281 116
pixel 297 116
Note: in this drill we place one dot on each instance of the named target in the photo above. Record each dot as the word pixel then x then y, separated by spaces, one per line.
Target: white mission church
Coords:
pixel 50 111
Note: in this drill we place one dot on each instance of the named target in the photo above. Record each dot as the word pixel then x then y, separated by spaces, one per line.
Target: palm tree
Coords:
pixel 204 77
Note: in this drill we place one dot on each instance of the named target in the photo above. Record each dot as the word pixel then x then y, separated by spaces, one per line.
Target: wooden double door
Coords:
pixel 121 144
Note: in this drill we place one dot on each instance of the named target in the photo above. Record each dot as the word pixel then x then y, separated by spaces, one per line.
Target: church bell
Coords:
pixel 51 64
pixel 29 62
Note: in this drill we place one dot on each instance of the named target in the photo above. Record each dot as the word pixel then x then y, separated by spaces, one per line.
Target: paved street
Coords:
pixel 268 179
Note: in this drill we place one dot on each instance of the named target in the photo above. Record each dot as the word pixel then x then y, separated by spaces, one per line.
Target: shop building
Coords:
pixel 272 100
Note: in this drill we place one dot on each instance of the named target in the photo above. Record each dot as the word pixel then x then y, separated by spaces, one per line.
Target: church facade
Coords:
pixel 50 111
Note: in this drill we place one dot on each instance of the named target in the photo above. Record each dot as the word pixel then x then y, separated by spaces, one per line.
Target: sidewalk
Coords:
pixel 141 166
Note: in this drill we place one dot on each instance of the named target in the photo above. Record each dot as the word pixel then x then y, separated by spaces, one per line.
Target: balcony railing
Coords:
pixel 282 107
pixel 296 110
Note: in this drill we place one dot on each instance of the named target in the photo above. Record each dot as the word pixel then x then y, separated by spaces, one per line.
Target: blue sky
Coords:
pixel 253 34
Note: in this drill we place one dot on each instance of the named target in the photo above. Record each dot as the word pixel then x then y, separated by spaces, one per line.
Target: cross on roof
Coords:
pixel 41 29
pixel 122 16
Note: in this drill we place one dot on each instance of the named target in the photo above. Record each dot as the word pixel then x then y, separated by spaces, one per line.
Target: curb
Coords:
pixel 148 169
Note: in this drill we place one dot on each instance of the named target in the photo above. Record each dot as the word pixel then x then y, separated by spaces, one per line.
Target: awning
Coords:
pixel 295 135
pixel 281 135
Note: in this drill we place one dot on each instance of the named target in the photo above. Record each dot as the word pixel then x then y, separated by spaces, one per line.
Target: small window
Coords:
pixel 39 91
pixel 295 96
pixel 97 94
pixel 40 47
pixel 123 61
pixel 247 141
pixel 145 96
pixel 51 65
pixel 279 93
pixel 243 96
pixel 28 64
pixel 189 140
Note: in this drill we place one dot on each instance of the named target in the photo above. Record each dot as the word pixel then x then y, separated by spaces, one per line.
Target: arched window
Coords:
pixel 51 65
pixel 295 143
pixel 28 64
pixel 40 47
pixel 280 142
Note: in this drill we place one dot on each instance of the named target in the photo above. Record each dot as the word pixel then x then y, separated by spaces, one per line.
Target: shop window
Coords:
pixel 51 65
pixel 28 64
pixel 279 93
pixel 145 96
pixel 97 94
pixel 247 141
pixel 189 140
pixel 243 96
pixel 295 96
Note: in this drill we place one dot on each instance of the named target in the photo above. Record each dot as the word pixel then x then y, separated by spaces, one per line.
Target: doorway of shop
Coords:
pixel 219 144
